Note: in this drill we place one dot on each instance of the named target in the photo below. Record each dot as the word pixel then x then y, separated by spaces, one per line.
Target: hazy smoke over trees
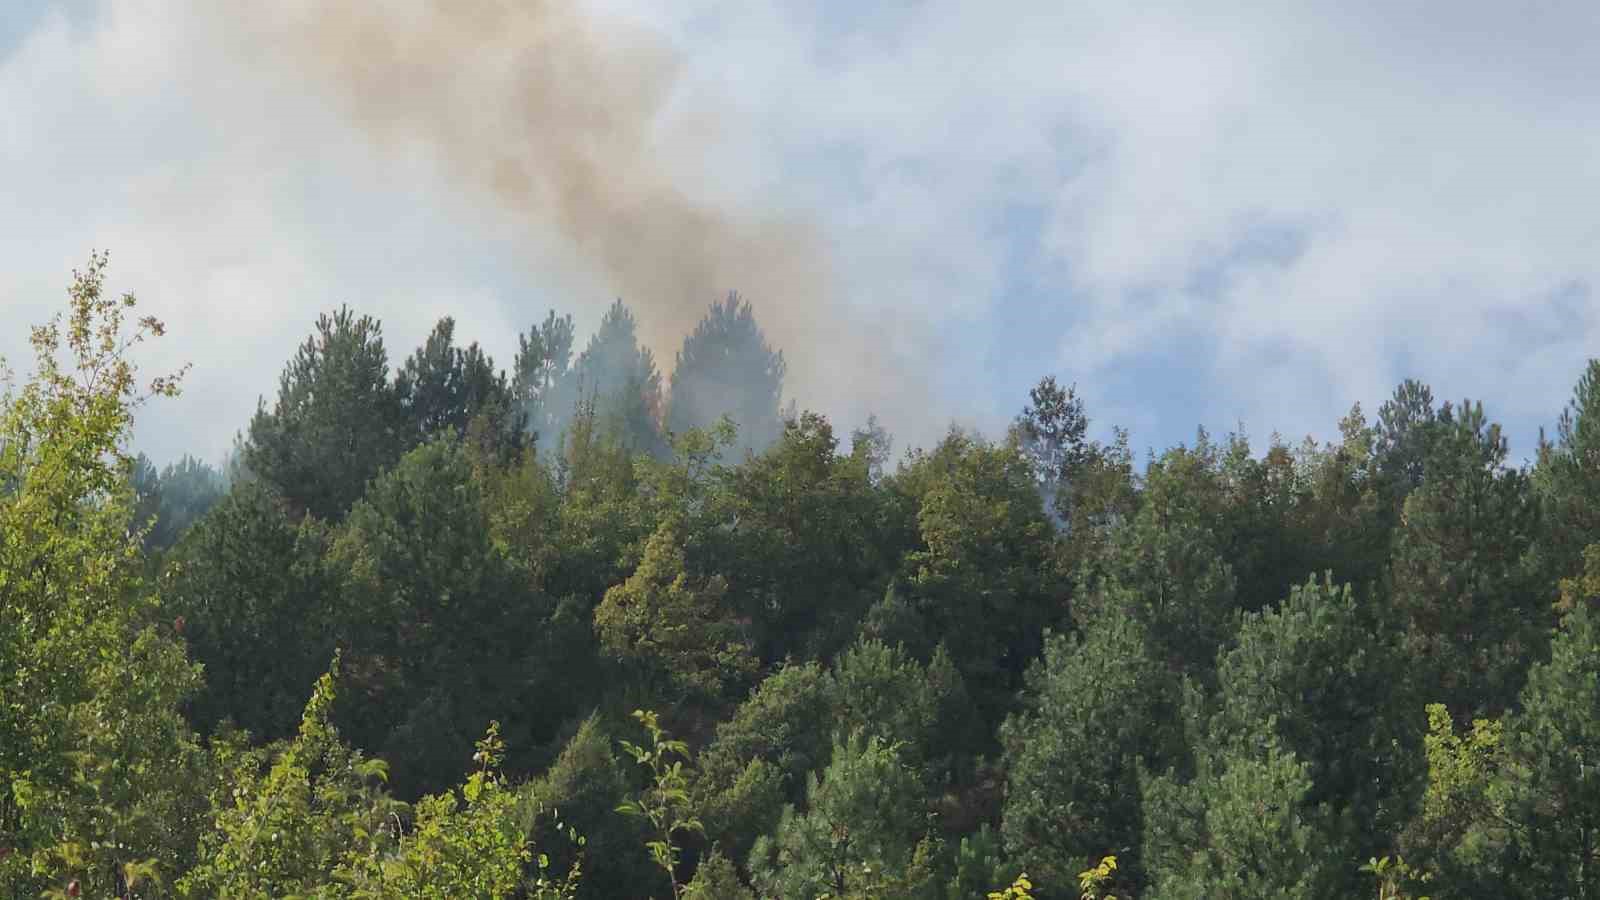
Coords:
pixel 620 378
pixel 561 117
pixel 727 367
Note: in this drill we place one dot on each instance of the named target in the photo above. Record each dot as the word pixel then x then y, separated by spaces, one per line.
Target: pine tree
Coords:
pixel 442 388
pixel 1474 611
pixel 620 378
pixel 1097 707
pixel 337 421
pixel 726 368
pixel 542 385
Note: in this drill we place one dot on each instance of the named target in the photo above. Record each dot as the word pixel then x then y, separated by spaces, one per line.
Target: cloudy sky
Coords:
pixel 1200 213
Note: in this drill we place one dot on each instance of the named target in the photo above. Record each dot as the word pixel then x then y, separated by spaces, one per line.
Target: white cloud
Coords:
pixel 1432 163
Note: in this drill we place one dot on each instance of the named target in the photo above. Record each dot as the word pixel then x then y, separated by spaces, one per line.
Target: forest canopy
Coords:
pixel 585 628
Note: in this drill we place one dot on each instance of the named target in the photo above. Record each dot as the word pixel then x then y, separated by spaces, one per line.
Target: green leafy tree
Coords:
pixel 603 516
pixel 1342 517
pixel 336 423
pixel 871 445
pixel 1021 888
pixel 981 861
pixel 804 539
pixel 1268 520
pixel 97 767
pixel 981 579
pixel 881 690
pixel 717 878
pixel 664 803
pixel 1087 487
pixel 1407 426
pixel 288 817
pixel 1461 832
pixel 1052 432
pixel 465 843
pixel 672 624
pixel 1396 878
pixel 309 818
pixel 1309 725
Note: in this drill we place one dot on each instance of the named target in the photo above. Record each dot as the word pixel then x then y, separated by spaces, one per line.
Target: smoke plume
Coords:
pixel 554 113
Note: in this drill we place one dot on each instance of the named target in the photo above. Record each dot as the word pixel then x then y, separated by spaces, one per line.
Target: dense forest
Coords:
pixel 577 628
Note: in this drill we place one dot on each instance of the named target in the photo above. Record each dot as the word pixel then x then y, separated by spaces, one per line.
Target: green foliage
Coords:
pixel 1460 832
pixel 287 818
pixel 1311 674
pixel 1474 613
pixel 1052 433
pixel 466 843
pixel 1346 515
pixel 316 823
pixel 620 379
pixel 586 783
pixel 676 627
pixel 337 420
pixel 1568 478
pixel 664 803
pixel 804 540
pixel 1396 878
pixel 462 635
pixel 170 501
pixel 860 830
pixel 980 861
pixel 1167 567
pixel 879 690
pixel 1403 439
pixel 541 382
pixel 1307 759
pixel 717 878
pixel 1021 888
pixel 888 634
pixel 761 755
pixel 981 578
pixel 443 388
pixel 726 368
pixel 1583 587
pixel 1243 829
pixel 254 597
pixel 1269 519
pixel 1092 880
pixel 1555 742
pixel 97 769
pixel 1095 707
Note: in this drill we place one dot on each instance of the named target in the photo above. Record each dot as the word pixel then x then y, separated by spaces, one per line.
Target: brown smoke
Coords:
pixel 554 114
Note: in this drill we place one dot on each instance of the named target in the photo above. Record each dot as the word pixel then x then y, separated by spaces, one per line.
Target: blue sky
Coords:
pixel 1241 213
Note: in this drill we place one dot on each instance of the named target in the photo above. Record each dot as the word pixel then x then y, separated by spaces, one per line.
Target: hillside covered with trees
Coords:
pixel 584 628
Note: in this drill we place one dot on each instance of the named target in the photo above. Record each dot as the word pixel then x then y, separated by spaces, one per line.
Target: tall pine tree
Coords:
pixel 727 368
